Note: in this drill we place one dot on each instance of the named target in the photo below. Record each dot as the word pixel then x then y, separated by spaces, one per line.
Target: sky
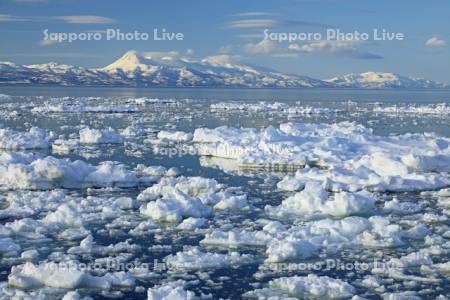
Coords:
pixel 234 29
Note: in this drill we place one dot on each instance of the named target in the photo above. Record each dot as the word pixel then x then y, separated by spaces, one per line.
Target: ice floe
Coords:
pixel 314 199
pixel 175 198
pixel 30 172
pixel 197 259
pixel 35 138
pixel 97 136
pixel 176 136
pixel 426 109
pixel 311 286
pixel 345 156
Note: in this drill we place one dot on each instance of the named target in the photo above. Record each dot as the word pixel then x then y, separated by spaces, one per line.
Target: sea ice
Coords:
pixel 174 136
pixel 311 286
pixel 35 138
pixel 350 156
pixel 97 136
pixel 195 259
pixel 314 199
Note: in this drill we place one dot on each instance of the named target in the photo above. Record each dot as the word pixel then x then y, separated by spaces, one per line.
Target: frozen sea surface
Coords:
pixel 209 193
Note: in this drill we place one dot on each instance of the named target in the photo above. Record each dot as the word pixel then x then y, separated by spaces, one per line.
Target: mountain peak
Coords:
pixel 131 55
pixel 131 61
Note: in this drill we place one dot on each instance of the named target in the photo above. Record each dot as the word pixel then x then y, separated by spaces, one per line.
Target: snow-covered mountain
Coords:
pixel 156 69
pixel 383 80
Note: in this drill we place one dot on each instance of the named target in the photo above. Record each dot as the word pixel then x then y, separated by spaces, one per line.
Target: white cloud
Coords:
pixel 67 19
pixel 325 45
pixel 226 49
pixel 253 14
pixel 11 18
pixel 221 59
pixel 268 47
pixel 161 54
pixel 86 19
pixel 264 47
pixel 250 36
pixel 344 48
pixel 435 42
pixel 253 23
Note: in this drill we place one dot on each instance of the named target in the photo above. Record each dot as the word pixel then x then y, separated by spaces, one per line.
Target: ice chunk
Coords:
pixel 8 247
pixel 176 136
pixel 196 259
pixel 97 136
pixel 311 286
pixel 49 274
pixel 35 138
pixel 65 215
pixel 169 292
pixel 314 199
pixel 192 223
pixel 51 172
pixel 290 248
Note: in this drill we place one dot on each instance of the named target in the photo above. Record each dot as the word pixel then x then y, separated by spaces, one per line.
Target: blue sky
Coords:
pixel 234 28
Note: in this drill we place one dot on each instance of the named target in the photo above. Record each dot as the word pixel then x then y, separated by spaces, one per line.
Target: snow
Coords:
pixel 382 80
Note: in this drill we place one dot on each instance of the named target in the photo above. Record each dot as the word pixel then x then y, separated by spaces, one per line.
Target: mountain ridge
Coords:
pixel 154 69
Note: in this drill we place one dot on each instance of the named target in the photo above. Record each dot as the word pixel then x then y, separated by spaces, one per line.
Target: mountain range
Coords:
pixel 134 69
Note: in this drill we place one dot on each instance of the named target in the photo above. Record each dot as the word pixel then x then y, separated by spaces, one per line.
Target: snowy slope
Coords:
pixel 382 80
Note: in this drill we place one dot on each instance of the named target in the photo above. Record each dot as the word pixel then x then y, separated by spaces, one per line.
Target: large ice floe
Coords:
pixel 342 156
